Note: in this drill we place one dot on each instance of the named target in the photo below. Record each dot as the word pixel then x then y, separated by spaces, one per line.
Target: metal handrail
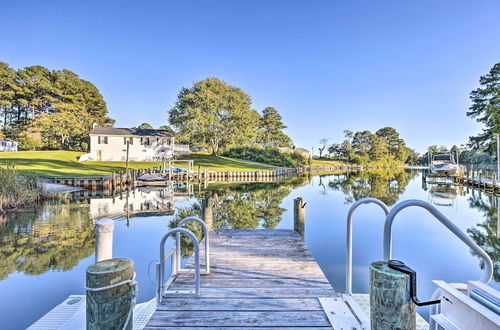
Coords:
pixel 387 249
pixel 348 271
pixel 161 265
pixel 178 244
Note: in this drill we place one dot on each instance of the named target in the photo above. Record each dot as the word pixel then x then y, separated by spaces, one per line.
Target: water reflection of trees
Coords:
pixel 241 206
pixel 54 237
pixel 384 184
pixel 486 234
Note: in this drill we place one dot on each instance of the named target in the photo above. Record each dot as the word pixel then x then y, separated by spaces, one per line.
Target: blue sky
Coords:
pixel 325 65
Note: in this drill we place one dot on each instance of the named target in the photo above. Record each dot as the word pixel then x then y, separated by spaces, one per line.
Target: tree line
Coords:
pixel 385 146
pixel 485 108
pixel 50 109
pixel 215 114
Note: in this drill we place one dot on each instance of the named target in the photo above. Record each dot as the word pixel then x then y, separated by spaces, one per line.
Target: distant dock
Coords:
pixel 123 180
pixel 486 181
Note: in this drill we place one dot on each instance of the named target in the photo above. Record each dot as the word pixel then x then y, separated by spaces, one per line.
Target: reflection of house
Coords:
pixel 8 145
pixel 110 144
pixel 142 202
pixel 302 151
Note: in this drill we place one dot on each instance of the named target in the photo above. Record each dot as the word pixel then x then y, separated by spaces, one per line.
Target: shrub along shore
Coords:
pixel 20 191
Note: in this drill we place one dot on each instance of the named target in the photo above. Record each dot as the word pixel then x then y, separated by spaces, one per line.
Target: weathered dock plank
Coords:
pixel 259 279
pixel 240 318
pixel 251 282
pixel 245 304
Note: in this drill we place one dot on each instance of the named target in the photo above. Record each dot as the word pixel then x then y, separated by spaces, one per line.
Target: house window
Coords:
pixel 102 140
pixel 129 139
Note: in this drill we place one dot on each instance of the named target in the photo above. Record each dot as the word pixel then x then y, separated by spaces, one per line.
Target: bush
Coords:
pixel 17 190
pixel 269 156
pixel 29 143
pixel 21 190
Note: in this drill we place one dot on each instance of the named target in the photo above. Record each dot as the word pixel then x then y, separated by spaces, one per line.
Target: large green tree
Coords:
pixel 271 129
pixel 7 90
pixel 485 109
pixel 215 113
pixel 364 147
pixel 145 126
pixel 54 107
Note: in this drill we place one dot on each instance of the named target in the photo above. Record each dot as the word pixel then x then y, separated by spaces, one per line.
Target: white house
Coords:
pixel 110 144
pixel 8 145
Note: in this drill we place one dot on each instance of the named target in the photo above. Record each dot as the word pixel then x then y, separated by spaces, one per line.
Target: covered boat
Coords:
pixel 444 165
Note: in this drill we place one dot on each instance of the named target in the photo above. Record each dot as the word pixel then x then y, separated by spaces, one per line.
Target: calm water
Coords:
pixel 44 252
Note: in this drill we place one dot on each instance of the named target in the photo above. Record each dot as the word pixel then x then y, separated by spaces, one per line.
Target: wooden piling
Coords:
pixel 109 308
pixel 207 211
pixel 104 239
pixel 299 212
pixel 390 302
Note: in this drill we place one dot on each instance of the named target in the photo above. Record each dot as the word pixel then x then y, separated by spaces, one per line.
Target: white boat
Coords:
pixel 444 165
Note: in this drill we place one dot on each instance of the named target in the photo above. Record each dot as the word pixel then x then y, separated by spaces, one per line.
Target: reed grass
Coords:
pixel 20 191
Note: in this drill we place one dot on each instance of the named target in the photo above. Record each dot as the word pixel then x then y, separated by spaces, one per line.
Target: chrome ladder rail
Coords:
pixel 348 271
pixel 177 258
pixel 160 267
pixel 387 248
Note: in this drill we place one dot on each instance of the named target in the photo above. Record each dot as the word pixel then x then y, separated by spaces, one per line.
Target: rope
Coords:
pixel 133 293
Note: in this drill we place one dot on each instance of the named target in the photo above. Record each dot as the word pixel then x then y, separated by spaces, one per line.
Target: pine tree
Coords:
pixel 271 129
pixel 485 109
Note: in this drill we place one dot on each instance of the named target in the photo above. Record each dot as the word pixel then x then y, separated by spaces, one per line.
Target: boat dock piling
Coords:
pixel 484 180
pixel 119 181
pixel 299 216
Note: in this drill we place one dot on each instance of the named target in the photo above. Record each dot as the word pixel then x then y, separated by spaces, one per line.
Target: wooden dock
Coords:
pixel 486 181
pixel 123 180
pixel 259 279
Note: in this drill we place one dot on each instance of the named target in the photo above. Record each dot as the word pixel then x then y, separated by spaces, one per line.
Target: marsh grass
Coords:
pixel 20 191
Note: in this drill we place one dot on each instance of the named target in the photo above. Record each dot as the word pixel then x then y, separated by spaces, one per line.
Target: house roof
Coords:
pixel 131 132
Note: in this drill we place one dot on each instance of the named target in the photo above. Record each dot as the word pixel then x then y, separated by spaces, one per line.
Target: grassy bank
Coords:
pixel 324 162
pixel 65 163
pixel 327 162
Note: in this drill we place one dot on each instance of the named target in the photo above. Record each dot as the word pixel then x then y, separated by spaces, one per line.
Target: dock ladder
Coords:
pixel 479 294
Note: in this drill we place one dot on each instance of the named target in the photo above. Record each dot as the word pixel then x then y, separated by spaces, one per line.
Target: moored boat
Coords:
pixel 444 165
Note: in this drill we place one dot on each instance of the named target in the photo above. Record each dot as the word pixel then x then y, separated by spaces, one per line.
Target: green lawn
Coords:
pixel 65 163
pixel 323 162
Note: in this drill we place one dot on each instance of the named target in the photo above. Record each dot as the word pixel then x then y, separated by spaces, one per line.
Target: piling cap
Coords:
pixel 383 267
pixel 110 266
pixel 104 225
